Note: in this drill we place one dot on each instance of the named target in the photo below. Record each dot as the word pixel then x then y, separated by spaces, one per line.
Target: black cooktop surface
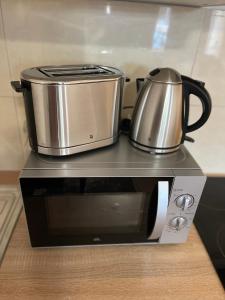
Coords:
pixel 210 222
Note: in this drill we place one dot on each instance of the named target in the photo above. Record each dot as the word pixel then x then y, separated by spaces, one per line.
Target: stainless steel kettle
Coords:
pixel 160 119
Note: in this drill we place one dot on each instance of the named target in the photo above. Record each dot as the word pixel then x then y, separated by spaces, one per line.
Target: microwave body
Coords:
pixel 116 195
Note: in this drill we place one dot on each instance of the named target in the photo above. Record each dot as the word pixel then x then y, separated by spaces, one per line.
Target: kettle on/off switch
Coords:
pixel 160 120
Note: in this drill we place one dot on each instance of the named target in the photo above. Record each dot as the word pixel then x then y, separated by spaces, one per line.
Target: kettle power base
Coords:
pixel 154 150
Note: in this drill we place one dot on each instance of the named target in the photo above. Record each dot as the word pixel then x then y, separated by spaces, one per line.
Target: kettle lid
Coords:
pixel 165 75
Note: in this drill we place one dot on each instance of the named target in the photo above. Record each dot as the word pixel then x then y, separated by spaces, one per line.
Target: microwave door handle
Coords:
pixel 162 206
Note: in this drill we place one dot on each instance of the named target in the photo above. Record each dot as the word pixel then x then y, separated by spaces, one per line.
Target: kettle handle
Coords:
pixel 195 87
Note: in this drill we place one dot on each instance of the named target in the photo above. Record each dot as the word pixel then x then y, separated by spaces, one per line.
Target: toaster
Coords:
pixel 71 108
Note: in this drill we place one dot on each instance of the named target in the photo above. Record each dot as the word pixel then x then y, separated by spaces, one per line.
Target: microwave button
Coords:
pixel 184 201
pixel 178 223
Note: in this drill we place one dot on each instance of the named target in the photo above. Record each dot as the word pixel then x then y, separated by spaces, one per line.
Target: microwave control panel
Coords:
pixel 184 199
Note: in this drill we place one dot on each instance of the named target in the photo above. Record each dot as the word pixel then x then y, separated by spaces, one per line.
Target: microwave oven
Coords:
pixel 116 195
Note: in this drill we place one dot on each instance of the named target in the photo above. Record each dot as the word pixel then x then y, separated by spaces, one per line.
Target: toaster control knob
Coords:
pixel 178 223
pixel 184 201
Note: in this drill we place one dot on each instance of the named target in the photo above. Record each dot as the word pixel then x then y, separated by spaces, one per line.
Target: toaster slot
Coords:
pixel 74 71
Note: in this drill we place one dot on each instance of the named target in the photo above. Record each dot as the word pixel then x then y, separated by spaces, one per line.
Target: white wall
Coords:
pixel 135 37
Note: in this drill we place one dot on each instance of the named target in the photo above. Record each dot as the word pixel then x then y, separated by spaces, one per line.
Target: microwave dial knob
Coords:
pixel 185 201
pixel 178 223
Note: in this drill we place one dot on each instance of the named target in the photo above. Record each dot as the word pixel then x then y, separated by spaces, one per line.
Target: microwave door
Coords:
pixel 161 210
pixel 95 210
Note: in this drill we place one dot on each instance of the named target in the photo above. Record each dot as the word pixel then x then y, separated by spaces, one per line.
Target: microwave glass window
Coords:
pixel 96 213
pixel 93 206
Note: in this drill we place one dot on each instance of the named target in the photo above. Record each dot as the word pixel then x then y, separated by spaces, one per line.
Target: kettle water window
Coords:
pixel 65 211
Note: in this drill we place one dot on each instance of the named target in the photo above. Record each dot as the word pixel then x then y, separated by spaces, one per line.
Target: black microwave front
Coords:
pixel 109 210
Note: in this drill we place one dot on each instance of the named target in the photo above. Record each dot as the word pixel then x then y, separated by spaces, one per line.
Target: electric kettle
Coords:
pixel 160 119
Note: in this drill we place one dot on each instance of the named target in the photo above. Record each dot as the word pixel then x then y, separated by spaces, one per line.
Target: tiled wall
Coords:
pixel 209 66
pixel 132 36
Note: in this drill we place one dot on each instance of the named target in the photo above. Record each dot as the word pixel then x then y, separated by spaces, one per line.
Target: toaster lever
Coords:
pixel 16 85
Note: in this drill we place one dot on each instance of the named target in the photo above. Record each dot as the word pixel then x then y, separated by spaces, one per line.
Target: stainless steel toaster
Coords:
pixel 71 108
